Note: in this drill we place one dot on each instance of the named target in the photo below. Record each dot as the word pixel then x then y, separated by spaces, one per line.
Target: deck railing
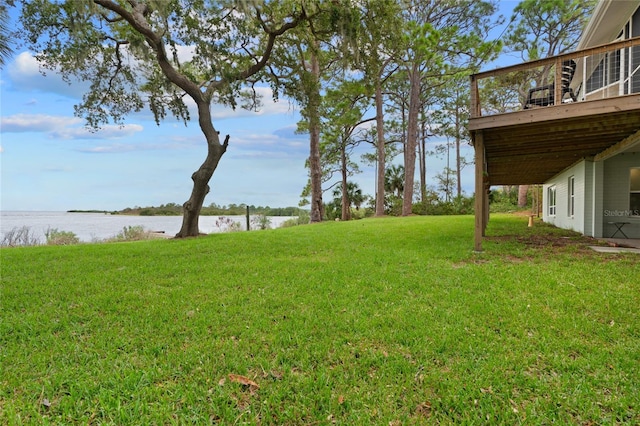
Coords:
pixel 599 72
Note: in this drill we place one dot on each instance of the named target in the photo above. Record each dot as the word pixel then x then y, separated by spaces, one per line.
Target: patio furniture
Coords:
pixel 544 95
pixel 619 226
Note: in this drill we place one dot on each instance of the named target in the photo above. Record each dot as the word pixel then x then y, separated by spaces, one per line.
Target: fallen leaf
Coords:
pixel 341 399
pixel 46 403
pixel 244 381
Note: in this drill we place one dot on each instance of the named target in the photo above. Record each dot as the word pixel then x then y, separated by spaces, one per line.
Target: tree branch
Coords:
pixel 138 22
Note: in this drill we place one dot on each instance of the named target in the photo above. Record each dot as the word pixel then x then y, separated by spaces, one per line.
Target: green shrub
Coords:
pixel 260 222
pixel 56 237
pixel 303 218
pixel 132 233
pixel 358 213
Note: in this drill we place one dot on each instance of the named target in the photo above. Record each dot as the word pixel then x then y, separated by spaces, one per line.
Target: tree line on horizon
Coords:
pixel 390 75
pixel 213 209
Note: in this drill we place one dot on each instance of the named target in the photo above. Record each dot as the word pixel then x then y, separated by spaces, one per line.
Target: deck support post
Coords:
pixel 480 190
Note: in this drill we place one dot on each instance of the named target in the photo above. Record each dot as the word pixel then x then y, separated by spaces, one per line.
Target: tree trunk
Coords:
pixel 346 210
pixel 380 150
pixel 202 176
pixel 314 145
pixel 458 162
pixel 422 150
pixel 522 195
pixel 412 137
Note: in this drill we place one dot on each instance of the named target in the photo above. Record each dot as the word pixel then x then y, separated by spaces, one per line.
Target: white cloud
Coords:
pixel 110 149
pixel 116 148
pixel 19 123
pixel 26 74
pixel 60 127
pixel 109 131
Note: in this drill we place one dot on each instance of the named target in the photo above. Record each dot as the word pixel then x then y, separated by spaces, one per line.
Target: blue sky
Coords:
pixel 49 161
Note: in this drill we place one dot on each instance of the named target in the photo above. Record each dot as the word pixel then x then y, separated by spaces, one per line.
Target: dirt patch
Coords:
pixel 556 241
pixel 541 246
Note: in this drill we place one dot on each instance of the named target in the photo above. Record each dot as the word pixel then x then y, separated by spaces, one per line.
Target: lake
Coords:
pixel 90 227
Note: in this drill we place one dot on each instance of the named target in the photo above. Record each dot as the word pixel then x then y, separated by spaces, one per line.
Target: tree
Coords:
pixel 5 33
pixel 342 111
pixel 158 53
pixel 545 28
pixel 303 65
pixel 378 41
pixel 445 182
pixel 394 180
pixel 442 37
pixel 453 118
pixel 354 197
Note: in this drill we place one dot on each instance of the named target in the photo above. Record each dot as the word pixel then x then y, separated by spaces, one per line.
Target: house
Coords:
pixel 599 195
pixel 581 141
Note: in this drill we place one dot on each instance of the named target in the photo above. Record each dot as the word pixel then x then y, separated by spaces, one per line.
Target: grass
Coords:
pixel 381 321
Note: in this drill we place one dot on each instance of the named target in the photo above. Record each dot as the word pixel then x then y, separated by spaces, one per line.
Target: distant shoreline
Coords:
pixel 91 211
pixel 213 210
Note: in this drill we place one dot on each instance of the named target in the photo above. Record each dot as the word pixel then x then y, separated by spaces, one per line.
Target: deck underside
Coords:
pixel 531 146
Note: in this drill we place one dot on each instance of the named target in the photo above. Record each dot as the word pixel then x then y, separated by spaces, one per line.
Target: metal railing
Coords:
pixel 604 71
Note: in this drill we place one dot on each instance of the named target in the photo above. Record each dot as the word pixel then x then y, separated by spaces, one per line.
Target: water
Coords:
pixel 90 227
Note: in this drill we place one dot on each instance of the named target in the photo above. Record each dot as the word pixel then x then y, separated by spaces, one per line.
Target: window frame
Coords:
pixel 551 200
pixel 571 212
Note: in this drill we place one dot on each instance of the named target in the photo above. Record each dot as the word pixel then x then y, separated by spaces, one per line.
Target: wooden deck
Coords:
pixel 530 146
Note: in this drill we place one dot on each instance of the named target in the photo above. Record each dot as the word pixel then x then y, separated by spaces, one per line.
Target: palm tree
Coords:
pixel 354 197
pixel 394 180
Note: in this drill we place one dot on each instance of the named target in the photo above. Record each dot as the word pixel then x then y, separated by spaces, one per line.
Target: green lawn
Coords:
pixel 390 321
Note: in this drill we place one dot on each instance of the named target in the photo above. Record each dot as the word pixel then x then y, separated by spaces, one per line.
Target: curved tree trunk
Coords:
pixel 202 176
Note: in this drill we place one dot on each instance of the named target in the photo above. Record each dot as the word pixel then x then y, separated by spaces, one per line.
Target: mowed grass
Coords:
pixel 388 321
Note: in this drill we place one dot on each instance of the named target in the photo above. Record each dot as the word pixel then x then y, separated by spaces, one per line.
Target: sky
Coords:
pixel 50 162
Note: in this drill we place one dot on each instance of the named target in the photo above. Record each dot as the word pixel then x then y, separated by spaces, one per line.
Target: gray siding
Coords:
pixel 616 194
pixel 562 218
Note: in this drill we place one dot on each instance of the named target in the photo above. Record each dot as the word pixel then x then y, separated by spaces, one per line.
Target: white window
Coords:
pixel 551 196
pixel 572 196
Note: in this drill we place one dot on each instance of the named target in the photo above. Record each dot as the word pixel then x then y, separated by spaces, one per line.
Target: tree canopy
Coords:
pixel 367 70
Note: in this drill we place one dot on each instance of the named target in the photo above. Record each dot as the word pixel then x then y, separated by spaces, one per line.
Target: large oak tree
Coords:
pixel 173 56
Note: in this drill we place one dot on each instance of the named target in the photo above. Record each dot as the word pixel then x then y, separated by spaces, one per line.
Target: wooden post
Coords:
pixel 557 95
pixel 480 192
pixel 475 109
pixel 486 207
pixel 248 221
